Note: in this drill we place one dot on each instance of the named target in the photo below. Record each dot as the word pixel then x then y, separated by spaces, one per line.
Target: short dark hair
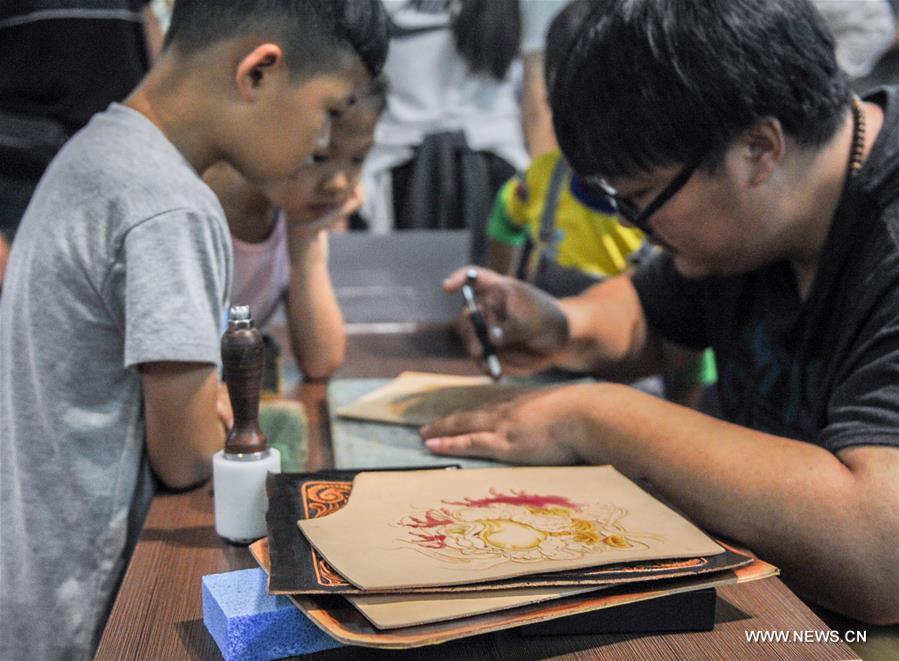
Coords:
pixel 487 34
pixel 563 30
pixel 316 35
pixel 649 83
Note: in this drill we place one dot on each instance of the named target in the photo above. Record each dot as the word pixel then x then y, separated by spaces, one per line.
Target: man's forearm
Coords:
pixel 830 527
pixel 608 335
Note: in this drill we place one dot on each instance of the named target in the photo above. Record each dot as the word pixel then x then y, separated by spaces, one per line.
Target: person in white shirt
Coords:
pixel 455 107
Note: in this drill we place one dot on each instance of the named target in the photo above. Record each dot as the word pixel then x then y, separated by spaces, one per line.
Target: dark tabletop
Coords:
pixel 158 611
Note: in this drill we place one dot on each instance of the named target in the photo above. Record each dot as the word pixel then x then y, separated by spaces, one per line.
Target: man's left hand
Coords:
pixel 531 429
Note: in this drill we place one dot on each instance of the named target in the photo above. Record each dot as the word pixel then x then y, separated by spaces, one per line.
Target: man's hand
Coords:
pixel 527 326
pixel 531 429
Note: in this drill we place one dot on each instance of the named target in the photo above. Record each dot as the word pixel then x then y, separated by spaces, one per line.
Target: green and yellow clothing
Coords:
pixel 585 239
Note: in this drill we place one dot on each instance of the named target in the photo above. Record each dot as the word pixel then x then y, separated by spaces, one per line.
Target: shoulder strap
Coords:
pixel 548 217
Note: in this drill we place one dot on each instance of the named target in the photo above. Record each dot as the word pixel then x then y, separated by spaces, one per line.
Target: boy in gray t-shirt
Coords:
pixel 116 290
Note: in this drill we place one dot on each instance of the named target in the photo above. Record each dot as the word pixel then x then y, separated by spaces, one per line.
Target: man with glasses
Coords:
pixel 725 131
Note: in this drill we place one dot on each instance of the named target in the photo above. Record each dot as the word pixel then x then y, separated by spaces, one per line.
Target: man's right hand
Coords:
pixel 526 325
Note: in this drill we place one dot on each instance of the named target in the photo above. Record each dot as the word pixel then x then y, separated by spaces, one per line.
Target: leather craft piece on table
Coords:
pixel 297 568
pixel 344 623
pixel 433 528
pixel 419 398
pixel 362 444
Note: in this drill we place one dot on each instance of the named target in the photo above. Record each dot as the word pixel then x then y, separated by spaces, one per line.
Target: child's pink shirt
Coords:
pixel 262 272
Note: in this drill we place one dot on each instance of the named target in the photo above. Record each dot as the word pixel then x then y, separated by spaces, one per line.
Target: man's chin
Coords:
pixel 690 269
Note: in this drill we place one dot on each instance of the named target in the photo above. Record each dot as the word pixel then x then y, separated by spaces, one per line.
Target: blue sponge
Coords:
pixel 249 624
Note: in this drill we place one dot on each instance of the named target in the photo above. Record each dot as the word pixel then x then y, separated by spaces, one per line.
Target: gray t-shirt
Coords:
pixel 123 258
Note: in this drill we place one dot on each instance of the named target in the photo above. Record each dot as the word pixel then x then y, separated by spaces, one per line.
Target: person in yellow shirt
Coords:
pixel 540 231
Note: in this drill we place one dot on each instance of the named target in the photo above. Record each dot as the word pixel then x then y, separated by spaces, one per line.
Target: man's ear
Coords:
pixel 764 147
pixel 255 66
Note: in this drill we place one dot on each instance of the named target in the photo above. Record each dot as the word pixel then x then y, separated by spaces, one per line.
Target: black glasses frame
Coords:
pixel 630 213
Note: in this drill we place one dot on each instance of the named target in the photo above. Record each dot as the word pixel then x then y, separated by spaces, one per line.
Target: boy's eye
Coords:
pixel 334 113
pixel 358 160
pixel 319 158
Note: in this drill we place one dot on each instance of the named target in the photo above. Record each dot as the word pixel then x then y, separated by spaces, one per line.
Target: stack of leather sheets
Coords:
pixel 400 558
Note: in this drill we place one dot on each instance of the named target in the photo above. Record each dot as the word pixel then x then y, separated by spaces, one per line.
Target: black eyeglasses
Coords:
pixel 630 213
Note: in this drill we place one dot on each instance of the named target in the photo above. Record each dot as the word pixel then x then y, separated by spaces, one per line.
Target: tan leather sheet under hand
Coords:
pixel 419 398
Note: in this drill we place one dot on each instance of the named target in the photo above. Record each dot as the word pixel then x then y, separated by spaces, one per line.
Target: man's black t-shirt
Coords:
pixel 823 370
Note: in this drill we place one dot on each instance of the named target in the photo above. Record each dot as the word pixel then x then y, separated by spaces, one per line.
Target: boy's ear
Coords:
pixel 764 147
pixel 254 67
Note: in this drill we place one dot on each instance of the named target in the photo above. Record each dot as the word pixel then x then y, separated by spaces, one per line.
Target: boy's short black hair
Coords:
pixel 650 83
pixel 316 35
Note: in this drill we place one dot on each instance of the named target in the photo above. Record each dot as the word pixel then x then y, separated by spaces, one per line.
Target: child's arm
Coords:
pixel 186 416
pixel 506 237
pixel 4 257
pixel 314 319
pixel 502 257
pixel 536 117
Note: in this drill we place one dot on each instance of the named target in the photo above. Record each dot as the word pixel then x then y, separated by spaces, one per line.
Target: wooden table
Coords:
pixel 158 611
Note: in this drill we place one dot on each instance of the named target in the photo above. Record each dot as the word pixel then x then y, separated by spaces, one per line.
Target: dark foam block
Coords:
pixel 686 611
pixel 248 624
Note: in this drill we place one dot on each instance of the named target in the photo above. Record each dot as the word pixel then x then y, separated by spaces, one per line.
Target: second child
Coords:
pixel 280 235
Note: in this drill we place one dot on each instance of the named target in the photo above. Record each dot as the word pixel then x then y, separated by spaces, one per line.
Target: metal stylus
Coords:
pixel 480 326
